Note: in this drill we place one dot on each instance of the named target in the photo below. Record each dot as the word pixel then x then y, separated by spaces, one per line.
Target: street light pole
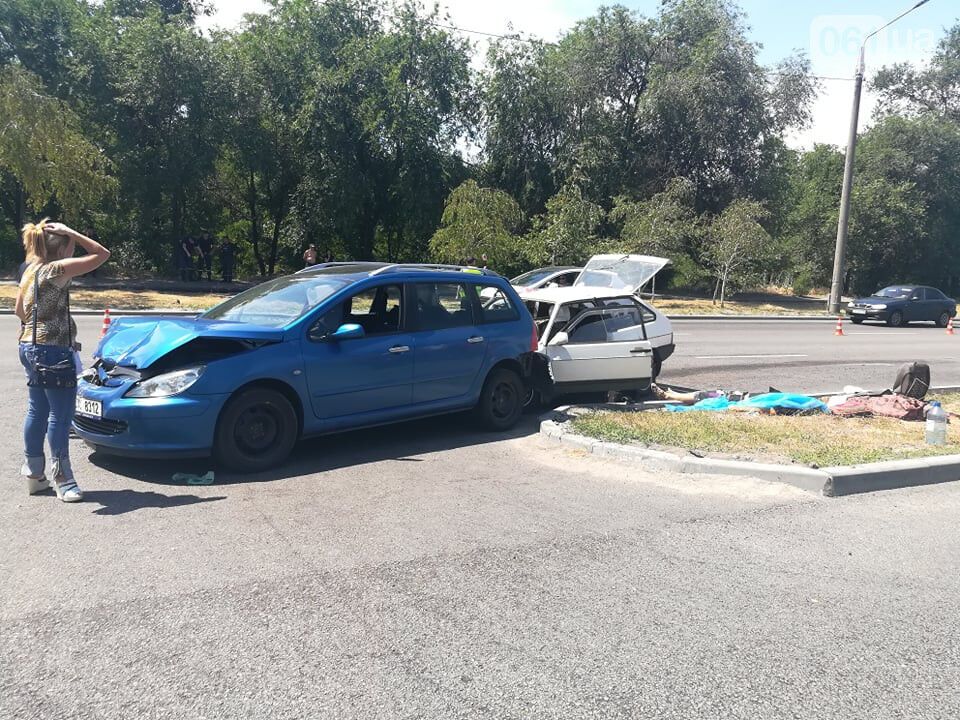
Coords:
pixel 839 257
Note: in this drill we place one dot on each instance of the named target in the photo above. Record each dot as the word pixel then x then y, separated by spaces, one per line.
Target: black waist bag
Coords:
pixel 61 375
pixel 913 380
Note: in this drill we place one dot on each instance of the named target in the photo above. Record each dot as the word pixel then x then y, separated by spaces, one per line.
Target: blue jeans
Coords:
pixel 49 412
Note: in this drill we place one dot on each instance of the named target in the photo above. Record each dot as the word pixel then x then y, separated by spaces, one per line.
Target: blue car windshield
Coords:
pixel 279 302
pixel 895 292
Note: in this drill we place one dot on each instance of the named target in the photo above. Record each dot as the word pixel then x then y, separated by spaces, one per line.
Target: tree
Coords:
pixel 568 233
pixel 934 89
pixel 811 208
pixel 382 125
pixel 476 222
pixel 623 101
pixel 164 118
pixel 44 150
pixel 666 223
pixel 268 66
pixel 737 243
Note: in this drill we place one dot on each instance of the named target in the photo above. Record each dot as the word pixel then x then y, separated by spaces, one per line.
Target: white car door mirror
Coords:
pixel 561 338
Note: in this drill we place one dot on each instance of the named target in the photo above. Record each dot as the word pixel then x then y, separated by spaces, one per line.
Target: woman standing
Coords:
pixel 48 342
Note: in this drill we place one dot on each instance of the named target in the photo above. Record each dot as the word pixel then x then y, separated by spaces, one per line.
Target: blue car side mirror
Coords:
pixel 348 331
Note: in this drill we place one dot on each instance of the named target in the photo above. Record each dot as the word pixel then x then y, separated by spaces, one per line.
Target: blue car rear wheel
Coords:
pixel 256 431
pixel 501 400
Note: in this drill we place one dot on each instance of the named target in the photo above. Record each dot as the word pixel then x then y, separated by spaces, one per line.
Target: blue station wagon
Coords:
pixel 335 347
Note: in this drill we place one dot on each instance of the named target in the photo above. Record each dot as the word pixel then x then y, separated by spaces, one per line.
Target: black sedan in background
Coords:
pixel 898 305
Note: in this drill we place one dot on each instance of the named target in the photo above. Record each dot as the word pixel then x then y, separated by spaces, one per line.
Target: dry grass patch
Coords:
pixel 126 299
pixel 703 306
pixel 821 440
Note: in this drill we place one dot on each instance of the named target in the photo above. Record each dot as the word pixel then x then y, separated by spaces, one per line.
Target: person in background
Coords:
pixel 205 247
pixel 228 258
pixel 185 258
pixel 49 336
pixel 310 256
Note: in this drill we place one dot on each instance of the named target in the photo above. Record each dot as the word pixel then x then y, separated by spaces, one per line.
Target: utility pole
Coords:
pixel 839 257
pixel 836 286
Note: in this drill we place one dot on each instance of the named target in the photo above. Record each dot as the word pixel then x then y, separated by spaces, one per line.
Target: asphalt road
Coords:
pixel 430 571
pixel 805 356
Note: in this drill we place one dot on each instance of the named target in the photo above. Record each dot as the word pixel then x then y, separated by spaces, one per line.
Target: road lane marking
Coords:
pixel 744 357
pixel 856 364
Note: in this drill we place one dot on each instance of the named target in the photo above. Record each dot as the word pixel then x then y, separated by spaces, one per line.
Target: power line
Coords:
pixel 809 75
pixel 518 38
pixel 514 38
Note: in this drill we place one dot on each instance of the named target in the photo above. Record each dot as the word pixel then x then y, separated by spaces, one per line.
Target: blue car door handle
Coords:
pixel 475 339
pixel 396 349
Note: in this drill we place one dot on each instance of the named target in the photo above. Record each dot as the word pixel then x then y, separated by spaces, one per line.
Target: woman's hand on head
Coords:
pixel 57 228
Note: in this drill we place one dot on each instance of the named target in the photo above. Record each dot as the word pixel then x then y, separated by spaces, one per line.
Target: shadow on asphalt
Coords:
pixel 120 502
pixel 400 442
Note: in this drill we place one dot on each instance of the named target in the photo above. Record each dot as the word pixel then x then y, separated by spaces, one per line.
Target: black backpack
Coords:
pixel 913 380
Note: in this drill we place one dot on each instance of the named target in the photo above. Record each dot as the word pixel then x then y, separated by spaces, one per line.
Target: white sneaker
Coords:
pixel 37 484
pixel 68 491
pixel 32 471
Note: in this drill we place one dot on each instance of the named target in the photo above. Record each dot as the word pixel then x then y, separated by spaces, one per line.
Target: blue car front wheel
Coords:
pixel 256 430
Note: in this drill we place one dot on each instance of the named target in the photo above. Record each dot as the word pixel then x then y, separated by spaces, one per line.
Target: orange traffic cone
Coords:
pixel 839 330
pixel 106 323
pixel 950 327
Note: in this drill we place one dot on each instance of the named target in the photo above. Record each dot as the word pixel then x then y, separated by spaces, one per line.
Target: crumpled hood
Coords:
pixel 138 342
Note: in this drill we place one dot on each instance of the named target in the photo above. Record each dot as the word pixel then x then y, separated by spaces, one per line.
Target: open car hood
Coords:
pixel 138 342
pixel 627 272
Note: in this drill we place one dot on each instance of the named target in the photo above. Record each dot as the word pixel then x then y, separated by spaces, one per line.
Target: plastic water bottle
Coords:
pixel 936 425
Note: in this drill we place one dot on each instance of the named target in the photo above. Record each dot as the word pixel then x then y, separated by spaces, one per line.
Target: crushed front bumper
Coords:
pixel 178 426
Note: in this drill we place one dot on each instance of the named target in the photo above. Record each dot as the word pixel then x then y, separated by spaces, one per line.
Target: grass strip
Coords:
pixel 817 440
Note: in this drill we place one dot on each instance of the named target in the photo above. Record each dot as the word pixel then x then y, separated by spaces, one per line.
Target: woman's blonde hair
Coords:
pixel 39 245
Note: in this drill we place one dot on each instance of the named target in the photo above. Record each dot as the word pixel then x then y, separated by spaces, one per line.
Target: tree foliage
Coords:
pixel 43 148
pixel 479 221
pixel 568 233
pixel 738 241
pixel 366 127
pixel 665 223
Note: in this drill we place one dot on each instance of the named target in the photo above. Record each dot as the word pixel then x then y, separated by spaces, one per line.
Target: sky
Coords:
pixel 828 31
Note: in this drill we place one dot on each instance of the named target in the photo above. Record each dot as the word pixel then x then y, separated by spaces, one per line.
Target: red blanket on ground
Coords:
pixel 900 407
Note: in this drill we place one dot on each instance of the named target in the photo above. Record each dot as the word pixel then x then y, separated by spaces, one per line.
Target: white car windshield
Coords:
pixel 532 277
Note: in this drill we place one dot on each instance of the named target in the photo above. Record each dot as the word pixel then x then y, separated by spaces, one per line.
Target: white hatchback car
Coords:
pixel 598 335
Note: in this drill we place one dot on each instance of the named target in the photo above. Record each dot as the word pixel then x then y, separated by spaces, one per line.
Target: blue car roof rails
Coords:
pixel 339 263
pixel 400 267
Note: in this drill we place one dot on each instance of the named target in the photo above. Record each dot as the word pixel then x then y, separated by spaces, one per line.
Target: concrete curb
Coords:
pixel 831 482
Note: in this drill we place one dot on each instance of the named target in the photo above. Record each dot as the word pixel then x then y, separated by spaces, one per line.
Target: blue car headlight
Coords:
pixel 167 384
pixel 878 306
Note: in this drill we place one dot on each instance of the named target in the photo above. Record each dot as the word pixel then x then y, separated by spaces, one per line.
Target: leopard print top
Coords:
pixel 54 324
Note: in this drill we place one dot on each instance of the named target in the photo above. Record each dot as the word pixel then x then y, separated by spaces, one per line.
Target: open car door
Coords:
pixel 621 272
pixel 602 348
